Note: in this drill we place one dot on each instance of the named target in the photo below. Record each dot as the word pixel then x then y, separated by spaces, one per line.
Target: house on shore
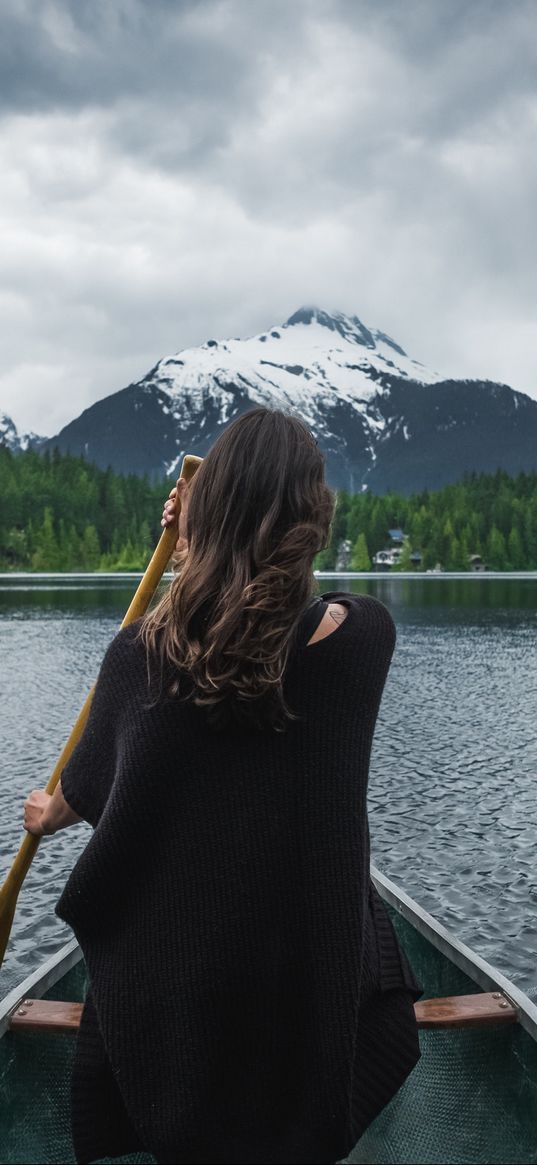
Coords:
pixel 386 559
pixel 476 562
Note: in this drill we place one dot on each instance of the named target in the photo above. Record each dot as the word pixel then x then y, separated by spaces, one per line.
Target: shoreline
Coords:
pixel 127 575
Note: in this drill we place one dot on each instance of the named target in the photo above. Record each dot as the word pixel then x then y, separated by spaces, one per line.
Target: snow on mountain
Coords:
pixel 383 421
pixel 15 441
pixel 303 365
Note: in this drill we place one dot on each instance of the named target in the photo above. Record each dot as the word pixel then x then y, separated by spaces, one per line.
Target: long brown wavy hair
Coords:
pixel 259 511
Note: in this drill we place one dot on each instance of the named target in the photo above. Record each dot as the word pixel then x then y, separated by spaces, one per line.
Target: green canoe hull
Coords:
pixel 472 1097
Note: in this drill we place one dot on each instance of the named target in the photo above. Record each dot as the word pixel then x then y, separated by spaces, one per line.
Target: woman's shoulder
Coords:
pixel 370 613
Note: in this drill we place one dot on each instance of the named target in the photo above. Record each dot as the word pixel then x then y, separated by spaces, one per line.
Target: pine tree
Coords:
pixel 77 557
pixel 129 558
pixel 360 555
pixel 530 533
pixel 145 542
pixel 90 549
pixel 405 561
pixel 428 558
pixel 456 559
pixel 496 550
pixel 47 554
pixel 464 550
pixel 515 550
pixel 446 541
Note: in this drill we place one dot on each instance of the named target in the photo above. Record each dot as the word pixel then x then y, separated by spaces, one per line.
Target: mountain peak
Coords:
pixel 309 314
pixel 350 328
pixel 312 314
pixel 17 442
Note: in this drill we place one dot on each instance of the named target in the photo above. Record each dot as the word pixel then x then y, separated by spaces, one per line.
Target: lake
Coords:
pixel 452 794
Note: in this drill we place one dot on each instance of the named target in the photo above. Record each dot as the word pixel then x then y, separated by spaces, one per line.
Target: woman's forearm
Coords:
pixel 58 814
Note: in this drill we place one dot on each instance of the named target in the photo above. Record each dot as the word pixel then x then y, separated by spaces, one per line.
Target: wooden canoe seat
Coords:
pixel 47 1016
pixel 487 1009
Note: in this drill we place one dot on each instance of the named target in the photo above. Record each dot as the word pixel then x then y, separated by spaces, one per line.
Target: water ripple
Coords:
pixel 452 801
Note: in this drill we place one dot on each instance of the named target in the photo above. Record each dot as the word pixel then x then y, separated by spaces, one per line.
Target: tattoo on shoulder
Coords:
pixel 337 616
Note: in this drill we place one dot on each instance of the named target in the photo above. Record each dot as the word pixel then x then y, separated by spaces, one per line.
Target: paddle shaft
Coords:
pixel 144 593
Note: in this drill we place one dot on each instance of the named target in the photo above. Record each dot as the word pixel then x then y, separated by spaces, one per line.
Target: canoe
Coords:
pixel 472 1097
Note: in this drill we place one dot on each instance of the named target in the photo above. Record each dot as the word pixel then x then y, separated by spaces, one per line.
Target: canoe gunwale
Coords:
pixel 40 981
pixel 484 974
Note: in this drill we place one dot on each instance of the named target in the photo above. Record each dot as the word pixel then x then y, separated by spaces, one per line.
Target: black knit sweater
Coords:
pixel 248 999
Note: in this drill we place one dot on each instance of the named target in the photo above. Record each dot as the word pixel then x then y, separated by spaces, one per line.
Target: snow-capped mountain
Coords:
pixel 15 441
pixel 383 420
pixel 302 365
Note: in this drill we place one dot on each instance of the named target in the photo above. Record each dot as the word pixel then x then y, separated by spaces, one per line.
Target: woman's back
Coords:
pixel 224 907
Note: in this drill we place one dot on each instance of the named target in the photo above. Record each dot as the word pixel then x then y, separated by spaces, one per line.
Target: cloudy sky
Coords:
pixel 179 169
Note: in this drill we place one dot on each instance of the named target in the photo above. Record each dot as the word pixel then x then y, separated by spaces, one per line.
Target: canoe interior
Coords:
pixel 472 1097
pixel 34 1089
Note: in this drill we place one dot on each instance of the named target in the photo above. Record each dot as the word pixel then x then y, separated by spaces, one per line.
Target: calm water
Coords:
pixel 453 805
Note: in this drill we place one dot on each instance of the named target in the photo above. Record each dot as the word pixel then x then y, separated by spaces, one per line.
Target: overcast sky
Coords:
pixel 173 170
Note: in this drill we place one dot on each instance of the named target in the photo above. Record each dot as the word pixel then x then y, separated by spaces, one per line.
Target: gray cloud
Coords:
pixel 60 53
pixel 178 170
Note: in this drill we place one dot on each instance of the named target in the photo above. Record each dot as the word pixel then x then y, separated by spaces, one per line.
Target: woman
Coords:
pixel 248 999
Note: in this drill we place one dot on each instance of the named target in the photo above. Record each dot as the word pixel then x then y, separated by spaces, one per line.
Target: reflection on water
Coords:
pixel 452 798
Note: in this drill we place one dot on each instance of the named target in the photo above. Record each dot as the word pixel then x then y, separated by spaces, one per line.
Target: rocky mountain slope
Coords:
pixel 383 420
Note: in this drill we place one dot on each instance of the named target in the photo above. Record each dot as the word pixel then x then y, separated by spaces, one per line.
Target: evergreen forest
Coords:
pixel 59 513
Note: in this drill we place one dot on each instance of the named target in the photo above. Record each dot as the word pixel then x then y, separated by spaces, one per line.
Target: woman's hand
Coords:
pixel 169 513
pixel 35 810
pixel 45 814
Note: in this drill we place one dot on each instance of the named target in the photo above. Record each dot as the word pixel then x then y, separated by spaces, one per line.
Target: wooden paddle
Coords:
pixel 12 885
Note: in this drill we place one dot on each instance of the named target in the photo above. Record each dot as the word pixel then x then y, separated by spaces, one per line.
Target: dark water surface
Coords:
pixel 453 784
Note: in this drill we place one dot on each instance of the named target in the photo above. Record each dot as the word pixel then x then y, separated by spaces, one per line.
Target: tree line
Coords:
pixel 491 515
pixel 59 513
